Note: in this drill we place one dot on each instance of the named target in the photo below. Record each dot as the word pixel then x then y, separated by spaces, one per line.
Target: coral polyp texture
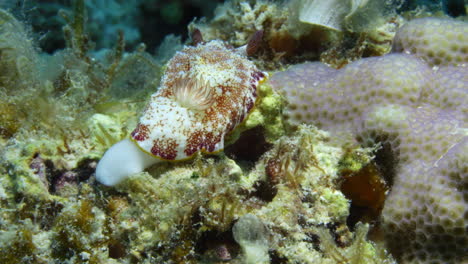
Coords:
pixel 449 90
pixel 206 91
pixel 417 114
pixel 336 99
pixel 437 41
pixel 425 214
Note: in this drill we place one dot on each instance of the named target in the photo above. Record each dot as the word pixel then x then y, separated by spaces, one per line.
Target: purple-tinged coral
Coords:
pixel 427 196
pixel 420 134
pixel 425 217
pixel 335 99
pixel 437 41
pixel 449 90
pixel 418 114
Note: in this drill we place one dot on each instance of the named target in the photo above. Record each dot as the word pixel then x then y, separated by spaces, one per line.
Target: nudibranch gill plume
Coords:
pixel 206 91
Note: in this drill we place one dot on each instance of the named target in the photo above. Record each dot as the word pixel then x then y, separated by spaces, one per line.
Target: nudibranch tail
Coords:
pixel 120 161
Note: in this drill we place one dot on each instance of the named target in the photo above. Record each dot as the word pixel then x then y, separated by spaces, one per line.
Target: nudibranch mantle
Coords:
pixel 205 93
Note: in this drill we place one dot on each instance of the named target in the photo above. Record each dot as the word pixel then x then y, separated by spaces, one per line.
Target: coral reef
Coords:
pixel 282 191
pixel 350 15
pixel 417 116
pixel 52 210
pixel 288 40
pixel 188 213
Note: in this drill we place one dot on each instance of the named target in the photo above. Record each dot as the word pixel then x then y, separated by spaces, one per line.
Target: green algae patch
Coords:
pixel 265 114
pixel 336 203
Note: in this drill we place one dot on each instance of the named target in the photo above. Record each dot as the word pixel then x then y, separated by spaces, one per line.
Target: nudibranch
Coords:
pixel 205 92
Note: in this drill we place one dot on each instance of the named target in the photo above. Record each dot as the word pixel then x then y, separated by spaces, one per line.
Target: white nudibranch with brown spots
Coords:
pixel 204 94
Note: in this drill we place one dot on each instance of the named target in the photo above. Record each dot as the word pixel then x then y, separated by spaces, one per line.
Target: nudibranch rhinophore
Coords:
pixel 206 91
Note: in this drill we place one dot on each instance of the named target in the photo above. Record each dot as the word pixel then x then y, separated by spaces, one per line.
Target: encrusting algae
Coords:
pixel 278 192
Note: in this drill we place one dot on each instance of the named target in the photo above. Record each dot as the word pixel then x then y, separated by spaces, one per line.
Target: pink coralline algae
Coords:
pixel 413 102
pixel 205 93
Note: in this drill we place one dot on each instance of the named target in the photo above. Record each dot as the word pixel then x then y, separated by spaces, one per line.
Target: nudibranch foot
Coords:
pixel 122 160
